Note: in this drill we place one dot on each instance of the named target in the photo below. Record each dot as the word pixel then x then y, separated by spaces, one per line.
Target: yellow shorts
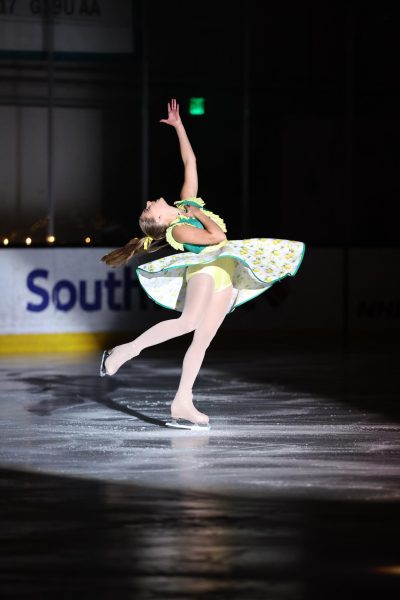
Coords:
pixel 220 269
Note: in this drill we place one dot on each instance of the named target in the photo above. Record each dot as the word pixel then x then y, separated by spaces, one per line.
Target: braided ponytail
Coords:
pixel 137 246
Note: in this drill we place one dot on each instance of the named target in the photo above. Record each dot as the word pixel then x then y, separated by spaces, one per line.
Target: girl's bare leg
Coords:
pixel 217 307
pixel 198 295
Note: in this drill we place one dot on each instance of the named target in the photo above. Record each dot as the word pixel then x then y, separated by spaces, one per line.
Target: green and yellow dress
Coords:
pixel 258 263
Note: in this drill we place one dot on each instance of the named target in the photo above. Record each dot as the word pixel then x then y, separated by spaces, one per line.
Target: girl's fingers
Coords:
pixel 173 106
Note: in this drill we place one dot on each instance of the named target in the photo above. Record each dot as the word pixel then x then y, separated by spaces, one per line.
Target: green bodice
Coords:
pixel 197 248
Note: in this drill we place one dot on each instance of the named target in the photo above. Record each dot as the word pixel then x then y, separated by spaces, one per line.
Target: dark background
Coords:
pixel 322 84
pixel 323 115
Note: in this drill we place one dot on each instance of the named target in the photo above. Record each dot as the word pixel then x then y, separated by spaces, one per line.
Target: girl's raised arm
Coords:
pixel 190 184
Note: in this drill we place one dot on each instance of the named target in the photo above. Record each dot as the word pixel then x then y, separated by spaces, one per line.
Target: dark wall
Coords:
pixel 323 85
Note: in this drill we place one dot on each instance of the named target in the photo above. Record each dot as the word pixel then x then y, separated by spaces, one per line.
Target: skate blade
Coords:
pixel 103 371
pixel 183 424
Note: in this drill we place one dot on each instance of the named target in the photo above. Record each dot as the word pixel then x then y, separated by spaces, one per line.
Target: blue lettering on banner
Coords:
pixel 70 301
pixel 96 304
pixel 111 284
pixel 35 289
pixel 65 294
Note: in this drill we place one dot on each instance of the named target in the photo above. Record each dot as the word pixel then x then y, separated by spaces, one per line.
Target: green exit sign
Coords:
pixel 196 106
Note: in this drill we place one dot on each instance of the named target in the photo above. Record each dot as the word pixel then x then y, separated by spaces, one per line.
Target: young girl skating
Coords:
pixel 205 281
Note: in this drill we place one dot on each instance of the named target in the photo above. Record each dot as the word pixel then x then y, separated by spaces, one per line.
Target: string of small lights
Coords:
pixel 28 241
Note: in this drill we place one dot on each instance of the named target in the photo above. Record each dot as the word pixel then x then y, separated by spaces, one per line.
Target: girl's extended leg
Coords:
pixel 182 405
pixel 198 294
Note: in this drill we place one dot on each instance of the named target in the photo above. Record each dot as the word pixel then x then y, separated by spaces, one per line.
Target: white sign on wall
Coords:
pixel 56 290
pixel 80 26
pixel 67 290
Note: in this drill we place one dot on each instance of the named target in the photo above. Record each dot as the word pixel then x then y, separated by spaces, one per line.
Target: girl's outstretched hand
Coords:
pixel 173 114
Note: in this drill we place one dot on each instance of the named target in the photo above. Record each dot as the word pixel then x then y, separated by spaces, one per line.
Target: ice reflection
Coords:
pixel 190 441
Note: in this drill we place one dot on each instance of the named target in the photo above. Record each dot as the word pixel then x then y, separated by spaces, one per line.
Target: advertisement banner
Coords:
pixel 57 290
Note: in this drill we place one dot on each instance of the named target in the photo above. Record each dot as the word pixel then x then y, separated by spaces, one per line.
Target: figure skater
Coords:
pixel 205 282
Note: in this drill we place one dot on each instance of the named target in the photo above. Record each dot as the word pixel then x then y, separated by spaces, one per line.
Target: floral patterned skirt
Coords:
pixel 259 263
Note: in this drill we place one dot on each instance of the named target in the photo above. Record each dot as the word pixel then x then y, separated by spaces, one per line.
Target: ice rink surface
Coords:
pixel 286 425
pixel 293 493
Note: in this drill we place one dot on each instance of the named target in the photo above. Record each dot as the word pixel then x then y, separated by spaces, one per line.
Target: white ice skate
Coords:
pixel 185 424
pixel 106 354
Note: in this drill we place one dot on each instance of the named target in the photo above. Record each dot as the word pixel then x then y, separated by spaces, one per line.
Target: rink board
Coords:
pixel 70 297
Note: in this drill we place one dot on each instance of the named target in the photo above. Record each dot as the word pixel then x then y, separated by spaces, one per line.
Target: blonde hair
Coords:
pixel 136 246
